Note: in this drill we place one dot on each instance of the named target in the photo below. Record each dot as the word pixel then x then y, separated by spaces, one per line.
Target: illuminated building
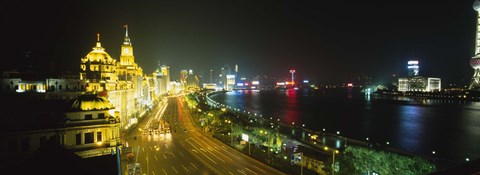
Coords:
pixel 98 69
pixel 475 60
pixel 183 75
pixel 210 86
pixel 230 82
pixel 192 81
pixel 160 86
pixel 264 83
pixel 87 125
pixel 121 82
pixel 108 97
pixel 292 71
pixel 128 72
pixel 413 68
pixel 162 75
pixel 66 86
pixel 166 75
pixel 414 82
pixel 419 83
pixel 211 76
pixel 226 78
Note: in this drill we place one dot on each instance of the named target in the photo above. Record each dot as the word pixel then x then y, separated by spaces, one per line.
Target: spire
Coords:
pixel 98 46
pixel 126 41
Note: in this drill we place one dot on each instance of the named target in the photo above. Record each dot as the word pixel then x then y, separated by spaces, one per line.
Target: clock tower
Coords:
pixel 126 55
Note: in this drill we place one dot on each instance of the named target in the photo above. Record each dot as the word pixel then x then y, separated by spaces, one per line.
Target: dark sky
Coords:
pixel 321 39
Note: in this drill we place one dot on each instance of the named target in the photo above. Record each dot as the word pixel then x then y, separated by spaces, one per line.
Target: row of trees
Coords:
pixel 359 160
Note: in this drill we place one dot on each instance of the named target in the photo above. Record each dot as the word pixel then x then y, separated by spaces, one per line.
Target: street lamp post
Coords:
pixel 334 151
pixel 231 131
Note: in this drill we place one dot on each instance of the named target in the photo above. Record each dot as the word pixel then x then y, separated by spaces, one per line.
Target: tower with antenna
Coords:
pixel 292 71
pixel 475 61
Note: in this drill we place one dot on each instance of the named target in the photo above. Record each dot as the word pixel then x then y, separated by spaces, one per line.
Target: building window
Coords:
pixel 59 87
pixel 88 116
pixel 78 138
pixel 99 136
pixel 88 137
pixel 25 145
pixel 101 115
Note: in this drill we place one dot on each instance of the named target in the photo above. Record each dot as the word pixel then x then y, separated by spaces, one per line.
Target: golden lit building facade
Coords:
pixel 92 126
pixel 120 81
pixel 98 69
pixel 87 125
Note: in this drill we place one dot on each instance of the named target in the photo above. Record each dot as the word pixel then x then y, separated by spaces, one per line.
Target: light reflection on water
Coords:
pixel 410 127
pixel 449 127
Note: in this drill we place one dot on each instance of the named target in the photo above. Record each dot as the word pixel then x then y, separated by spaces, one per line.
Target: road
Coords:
pixel 187 150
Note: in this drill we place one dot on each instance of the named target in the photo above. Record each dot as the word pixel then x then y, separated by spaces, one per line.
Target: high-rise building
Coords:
pixel 211 78
pixel 166 75
pixel 475 61
pixel 413 68
pixel 227 78
pixel 183 76
pixel 292 72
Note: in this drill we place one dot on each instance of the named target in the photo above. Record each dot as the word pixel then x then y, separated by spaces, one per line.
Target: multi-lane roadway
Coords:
pixel 185 149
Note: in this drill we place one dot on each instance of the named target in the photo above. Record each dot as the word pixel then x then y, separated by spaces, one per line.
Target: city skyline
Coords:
pixel 321 40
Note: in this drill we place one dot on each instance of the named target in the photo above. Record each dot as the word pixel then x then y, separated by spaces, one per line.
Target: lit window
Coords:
pixel 99 136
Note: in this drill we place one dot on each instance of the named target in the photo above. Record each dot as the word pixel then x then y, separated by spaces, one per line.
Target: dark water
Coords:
pixel 420 126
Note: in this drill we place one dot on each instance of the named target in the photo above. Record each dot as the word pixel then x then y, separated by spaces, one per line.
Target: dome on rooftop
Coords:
pixel 98 55
pixel 90 102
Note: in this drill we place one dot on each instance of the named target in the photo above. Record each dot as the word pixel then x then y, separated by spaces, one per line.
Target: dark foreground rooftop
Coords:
pixel 55 159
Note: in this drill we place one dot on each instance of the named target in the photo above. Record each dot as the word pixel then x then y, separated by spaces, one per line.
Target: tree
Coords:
pixel 359 160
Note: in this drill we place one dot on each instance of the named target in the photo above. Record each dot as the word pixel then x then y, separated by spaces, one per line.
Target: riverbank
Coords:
pixel 275 140
pixel 459 95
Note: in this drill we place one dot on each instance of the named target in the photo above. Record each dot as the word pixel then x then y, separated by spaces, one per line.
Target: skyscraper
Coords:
pixel 413 68
pixel 475 61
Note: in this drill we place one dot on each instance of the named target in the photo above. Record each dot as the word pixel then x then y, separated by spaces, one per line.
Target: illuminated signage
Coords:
pixel 255 82
pixel 244 137
pixel 239 84
pixel 230 76
pixel 305 81
pixel 412 62
pixel 280 83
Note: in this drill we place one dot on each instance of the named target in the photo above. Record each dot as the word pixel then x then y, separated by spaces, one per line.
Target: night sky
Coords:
pixel 322 39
